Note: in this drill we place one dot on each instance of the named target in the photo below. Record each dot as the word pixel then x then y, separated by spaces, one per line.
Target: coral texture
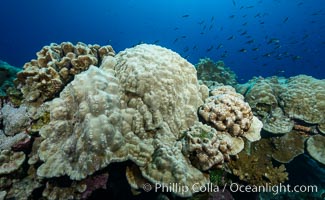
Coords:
pixel 315 147
pixel 281 102
pixel 205 147
pixel 15 120
pixel 135 107
pixel 207 70
pixel 228 113
pixel 83 134
pixel 10 161
pixel 7 76
pixel 55 66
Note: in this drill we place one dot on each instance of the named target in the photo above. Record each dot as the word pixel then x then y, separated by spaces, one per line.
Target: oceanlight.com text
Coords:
pixel 232 187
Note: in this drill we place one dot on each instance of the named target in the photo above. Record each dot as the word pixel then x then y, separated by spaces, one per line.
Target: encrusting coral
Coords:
pixel 280 102
pixel 315 147
pixel 55 66
pixel 10 161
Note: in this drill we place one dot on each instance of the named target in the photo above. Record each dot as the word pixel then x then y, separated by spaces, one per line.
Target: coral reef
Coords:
pixel 280 102
pixel 207 71
pixel 205 147
pixel 7 76
pixel 15 120
pixel 287 147
pixel 315 147
pixel 256 167
pixel 55 66
pixel 227 112
pixel 107 115
pixel 10 161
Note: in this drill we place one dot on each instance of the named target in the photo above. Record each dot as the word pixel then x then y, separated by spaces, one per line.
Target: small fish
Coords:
pixel 249 6
pixel 285 20
pixel 209 49
pixel 250 41
pixel 230 38
pixel 273 40
pixel 219 46
pixel 257 15
pixel 175 40
pixel 156 41
pixel 204 27
pixel 186 49
pixel 244 24
pixel 243 33
pixel 242 50
pixel 294 58
pixel 255 49
pixel 212 19
pixel 211 26
pixel 231 16
pixel 267 55
pixel 300 3
pixel 234 2
pixel 185 16
pixel 176 28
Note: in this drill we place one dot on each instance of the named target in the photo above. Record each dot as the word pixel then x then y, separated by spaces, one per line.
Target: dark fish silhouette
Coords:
pixel 244 24
pixel 234 2
pixel 231 37
pixel 285 20
pixel 176 28
pixel 186 49
pixel 250 41
pixel 184 16
pixel 242 50
pixel 209 49
pixel 175 40
pixel 249 6
pixel 231 16
pixel 211 26
pixel 212 19
pixel 243 33
pixel 156 41
pixel 255 49
pixel 219 46
pixel 183 36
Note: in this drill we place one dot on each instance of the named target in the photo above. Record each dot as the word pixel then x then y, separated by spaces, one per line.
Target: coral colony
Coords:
pixel 76 109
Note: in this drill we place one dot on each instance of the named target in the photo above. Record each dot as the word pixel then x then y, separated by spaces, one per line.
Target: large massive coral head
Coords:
pixel 134 107
pixel 55 66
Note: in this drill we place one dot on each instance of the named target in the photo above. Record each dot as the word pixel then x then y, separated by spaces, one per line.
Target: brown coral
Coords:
pixel 204 147
pixel 10 161
pixel 315 147
pixel 55 66
pixel 227 111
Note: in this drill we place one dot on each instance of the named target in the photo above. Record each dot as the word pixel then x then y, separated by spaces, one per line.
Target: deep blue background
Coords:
pixel 297 45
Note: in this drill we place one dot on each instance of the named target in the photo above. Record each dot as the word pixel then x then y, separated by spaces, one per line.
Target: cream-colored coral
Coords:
pixel 315 147
pixel 15 120
pixel 136 112
pixel 304 99
pixel 205 147
pixel 10 161
pixel 277 122
pixel 55 66
pixel 83 135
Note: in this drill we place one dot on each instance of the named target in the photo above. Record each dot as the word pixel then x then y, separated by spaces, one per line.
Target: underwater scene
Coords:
pixel 162 100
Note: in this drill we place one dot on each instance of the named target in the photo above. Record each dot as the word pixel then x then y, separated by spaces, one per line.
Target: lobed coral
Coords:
pixel 55 66
pixel 7 76
pixel 15 120
pixel 315 147
pixel 281 103
pixel 205 147
pixel 227 112
pixel 134 107
pixel 10 161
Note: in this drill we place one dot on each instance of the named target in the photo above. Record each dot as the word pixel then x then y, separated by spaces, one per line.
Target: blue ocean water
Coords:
pixel 253 37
